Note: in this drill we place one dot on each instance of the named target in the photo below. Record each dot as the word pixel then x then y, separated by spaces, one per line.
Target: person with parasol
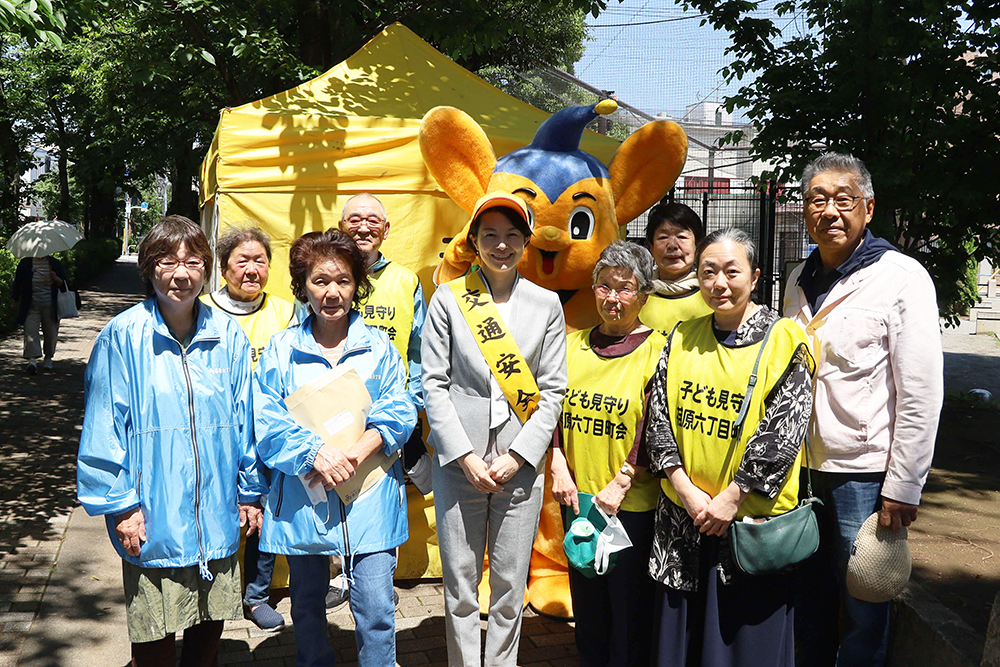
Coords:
pixel 38 279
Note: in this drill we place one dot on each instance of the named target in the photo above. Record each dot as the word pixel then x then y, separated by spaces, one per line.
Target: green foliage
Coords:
pixel 546 94
pixel 910 87
pixel 88 259
pixel 36 20
pixel 8 316
pixel 46 190
pixel 135 86
pixel 147 190
pixel 964 291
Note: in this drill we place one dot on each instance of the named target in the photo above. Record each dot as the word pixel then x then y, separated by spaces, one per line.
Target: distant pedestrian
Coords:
pixel 37 283
pixel 167 451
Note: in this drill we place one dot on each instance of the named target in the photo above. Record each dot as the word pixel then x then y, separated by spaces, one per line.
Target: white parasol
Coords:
pixel 38 239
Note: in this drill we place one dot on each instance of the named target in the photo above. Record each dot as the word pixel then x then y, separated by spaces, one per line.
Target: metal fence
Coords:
pixel 775 227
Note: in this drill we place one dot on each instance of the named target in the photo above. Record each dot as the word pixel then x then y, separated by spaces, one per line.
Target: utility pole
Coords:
pixel 602 121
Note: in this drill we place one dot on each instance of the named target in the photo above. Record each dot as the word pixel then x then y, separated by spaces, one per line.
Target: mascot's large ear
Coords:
pixel 457 153
pixel 645 167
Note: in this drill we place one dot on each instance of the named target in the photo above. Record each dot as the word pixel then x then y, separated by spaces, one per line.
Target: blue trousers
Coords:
pixel 371 604
pixel 258 567
pixel 848 499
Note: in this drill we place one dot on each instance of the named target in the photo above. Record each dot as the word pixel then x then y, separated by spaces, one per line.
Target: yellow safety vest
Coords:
pixel 390 305
pixel 706 384
pixel 273 315
pixel 602 408
pixel 664 312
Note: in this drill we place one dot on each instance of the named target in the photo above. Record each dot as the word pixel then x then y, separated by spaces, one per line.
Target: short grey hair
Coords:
pixel 841 162
pixel 632 257
pixel 737 236
pixel 237 236
pixel 343 211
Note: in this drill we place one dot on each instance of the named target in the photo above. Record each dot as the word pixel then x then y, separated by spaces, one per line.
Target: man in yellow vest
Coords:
pixel 396 306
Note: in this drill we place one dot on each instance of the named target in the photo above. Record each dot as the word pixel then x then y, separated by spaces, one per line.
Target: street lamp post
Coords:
pixel 128 220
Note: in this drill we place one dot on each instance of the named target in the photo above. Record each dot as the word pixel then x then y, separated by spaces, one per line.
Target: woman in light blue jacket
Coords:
pixel 328 273
pixel 167 453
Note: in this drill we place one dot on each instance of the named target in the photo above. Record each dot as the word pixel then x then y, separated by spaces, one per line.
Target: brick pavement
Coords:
pixel 40 419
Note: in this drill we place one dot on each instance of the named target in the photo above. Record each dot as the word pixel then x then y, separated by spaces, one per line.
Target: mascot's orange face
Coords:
pixel 577 204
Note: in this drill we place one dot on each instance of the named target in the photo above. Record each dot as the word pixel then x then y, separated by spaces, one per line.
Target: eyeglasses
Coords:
pixel 623 294
pixel 355 221
pixel 170 264
pixel 841 202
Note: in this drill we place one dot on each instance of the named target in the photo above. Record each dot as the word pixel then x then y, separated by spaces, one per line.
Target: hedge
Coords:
pixel 85 262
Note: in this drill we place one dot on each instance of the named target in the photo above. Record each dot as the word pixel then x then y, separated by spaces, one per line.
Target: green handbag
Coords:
pixel 779 541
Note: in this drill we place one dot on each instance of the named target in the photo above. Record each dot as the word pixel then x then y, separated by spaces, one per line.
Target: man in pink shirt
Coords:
pixel 871 315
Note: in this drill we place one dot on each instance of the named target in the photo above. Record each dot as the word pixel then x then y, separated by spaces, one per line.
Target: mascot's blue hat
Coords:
pixel 553 159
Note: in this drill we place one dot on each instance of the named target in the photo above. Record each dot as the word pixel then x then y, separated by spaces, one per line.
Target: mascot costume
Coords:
pixel 578 208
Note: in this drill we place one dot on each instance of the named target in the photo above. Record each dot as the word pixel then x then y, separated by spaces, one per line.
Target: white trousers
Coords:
pixel 49 324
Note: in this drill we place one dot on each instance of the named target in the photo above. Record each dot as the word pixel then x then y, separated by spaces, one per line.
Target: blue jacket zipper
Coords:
pixel 203 570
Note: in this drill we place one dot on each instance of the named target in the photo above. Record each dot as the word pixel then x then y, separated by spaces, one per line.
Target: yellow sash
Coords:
pixel 496 343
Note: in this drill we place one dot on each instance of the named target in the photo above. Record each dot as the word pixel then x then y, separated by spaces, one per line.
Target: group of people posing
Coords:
pixel 684 410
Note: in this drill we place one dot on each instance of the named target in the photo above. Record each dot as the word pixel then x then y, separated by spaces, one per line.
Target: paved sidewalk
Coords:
pixel 61 599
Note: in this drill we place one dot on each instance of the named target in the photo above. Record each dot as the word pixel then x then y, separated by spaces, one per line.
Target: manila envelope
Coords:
pixel 335 407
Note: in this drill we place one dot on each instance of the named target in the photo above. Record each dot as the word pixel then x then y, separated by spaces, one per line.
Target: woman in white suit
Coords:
pixel 494 373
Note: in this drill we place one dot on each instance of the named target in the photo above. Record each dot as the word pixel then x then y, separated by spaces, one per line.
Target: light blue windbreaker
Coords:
pixel 171 431
pixel 376 520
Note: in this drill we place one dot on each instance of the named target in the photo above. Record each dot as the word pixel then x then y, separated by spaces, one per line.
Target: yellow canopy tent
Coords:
pixel 289 162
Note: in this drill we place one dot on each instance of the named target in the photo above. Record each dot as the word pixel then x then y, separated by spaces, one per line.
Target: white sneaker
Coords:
pixel 47 364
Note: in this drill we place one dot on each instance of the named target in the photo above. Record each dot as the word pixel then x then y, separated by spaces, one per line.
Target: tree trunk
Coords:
pixel 63 209
pixel 101 216
pixel 11 166
pixel 183 195
pixel 314 34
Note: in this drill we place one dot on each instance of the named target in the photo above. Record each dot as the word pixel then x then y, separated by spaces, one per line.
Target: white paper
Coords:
pixel 338 423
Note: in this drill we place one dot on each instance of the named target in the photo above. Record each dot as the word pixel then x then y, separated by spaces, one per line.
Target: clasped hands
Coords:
pixel 332 466
pixel 492 478
pixel 712 516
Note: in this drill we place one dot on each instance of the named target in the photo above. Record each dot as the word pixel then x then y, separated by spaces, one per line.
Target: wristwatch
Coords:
pixel 627 470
